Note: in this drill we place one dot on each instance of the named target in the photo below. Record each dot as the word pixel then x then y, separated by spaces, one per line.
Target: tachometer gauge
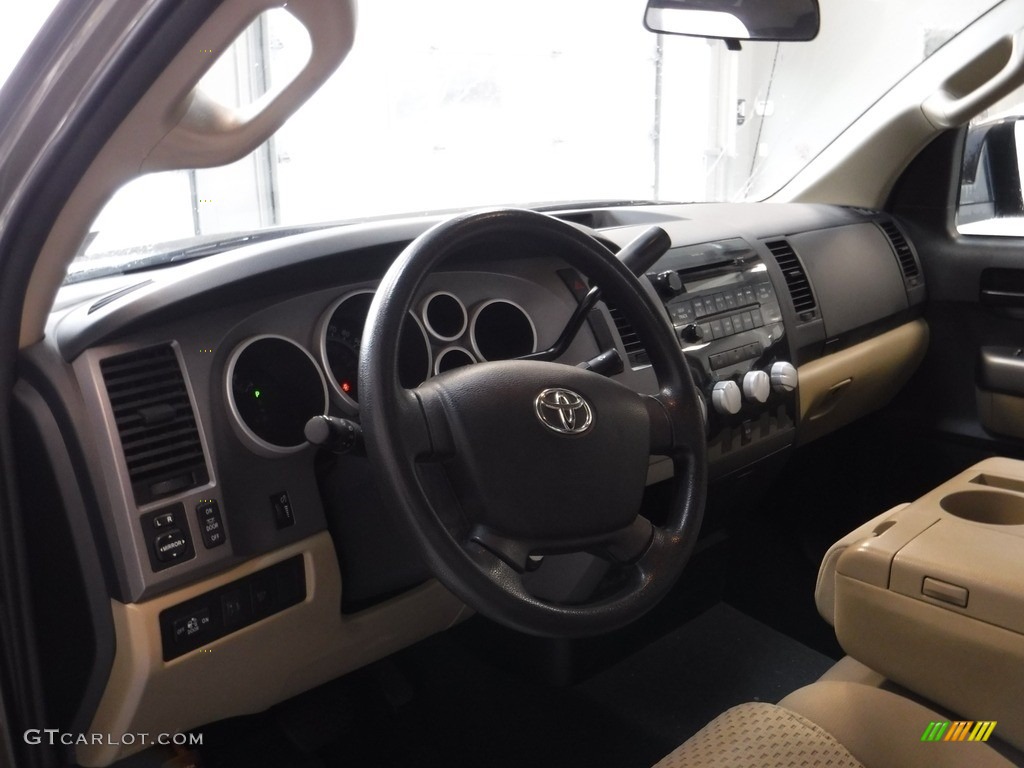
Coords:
pixel 341 337
pixel 341 348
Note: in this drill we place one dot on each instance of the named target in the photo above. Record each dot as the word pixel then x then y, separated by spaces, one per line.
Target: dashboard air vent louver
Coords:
pixel 902 249
pixel 155 422
pixel 796 279
pixel 635 350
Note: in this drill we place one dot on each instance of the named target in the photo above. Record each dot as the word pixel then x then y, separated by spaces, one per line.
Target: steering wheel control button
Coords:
pixel 167 537
pixel 726 398
pixel 284 515
pixel 564 411
pixel 211 528
pixel 757 386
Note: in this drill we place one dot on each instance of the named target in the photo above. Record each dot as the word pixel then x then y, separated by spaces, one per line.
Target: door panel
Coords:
pixel 967 390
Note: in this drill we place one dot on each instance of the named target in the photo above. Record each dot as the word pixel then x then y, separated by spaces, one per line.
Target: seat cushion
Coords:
pixel 759 735
pixel 883 729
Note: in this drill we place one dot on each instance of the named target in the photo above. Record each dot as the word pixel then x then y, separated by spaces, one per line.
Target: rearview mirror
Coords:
pixel 735 19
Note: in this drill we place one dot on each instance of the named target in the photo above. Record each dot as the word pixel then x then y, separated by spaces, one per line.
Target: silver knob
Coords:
pixel 757 386
pixel 784 377
pixel 726 397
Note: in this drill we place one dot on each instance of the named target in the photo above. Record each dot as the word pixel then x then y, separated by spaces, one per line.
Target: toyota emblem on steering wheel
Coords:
pixel 564 411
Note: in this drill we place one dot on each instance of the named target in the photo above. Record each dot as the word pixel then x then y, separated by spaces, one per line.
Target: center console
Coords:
pixel 931 595
pixel 727 315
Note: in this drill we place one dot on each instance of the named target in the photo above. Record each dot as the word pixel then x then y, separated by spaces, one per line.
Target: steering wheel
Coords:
pixel 540 457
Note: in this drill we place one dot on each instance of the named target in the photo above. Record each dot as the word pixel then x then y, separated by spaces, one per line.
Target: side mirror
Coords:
pixel 991 198
pixel 735 20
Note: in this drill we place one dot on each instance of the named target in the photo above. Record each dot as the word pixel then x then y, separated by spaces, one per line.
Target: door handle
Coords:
pixel 1001 369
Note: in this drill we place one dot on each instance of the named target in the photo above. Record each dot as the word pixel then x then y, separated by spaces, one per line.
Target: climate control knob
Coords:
pixel 726 398
pixel 784 377
pixel 757 386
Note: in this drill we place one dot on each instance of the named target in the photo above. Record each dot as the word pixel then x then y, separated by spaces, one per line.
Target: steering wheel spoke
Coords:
pixel 628 545
pixel 513 552
pixel 423 426
pixel 675 421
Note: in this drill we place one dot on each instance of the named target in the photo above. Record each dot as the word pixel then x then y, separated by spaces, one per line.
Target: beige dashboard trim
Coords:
pixel 295 650
pixel 838 388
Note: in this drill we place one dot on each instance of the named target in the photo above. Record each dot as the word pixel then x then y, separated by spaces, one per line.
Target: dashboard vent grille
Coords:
pixel 155 421
pixel 796 279
pixel 902 249
pixel 635 350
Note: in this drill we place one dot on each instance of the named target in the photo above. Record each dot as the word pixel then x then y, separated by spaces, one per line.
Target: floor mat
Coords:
pixel 722 658
pixel 467 711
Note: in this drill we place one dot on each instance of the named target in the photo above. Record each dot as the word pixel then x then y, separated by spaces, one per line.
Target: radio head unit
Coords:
pixel 717 292
pixel 726 314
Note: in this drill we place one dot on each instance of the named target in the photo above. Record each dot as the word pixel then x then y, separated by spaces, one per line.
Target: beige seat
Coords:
pixel 852 716
pixel 842 721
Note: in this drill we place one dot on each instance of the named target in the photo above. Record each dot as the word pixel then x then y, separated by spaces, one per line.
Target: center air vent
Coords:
pixel 635 350
pixel 155 421
pixel 908 264
pixel 796 279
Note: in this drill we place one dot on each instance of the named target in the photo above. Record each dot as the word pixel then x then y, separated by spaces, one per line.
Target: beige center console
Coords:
pixel 931 595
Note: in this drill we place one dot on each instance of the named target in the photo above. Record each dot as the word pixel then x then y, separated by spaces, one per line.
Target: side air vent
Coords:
pixel 635 351
pixel 902 249
pixel 155 422
pixel 796 279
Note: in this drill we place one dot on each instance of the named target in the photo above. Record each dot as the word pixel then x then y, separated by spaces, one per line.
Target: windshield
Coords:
pixel 461 103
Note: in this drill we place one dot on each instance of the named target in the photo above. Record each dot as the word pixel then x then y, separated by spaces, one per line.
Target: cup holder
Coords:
pixel 991 507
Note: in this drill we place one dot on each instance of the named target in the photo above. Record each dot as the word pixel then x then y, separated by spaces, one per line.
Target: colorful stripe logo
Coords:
pixel 959 730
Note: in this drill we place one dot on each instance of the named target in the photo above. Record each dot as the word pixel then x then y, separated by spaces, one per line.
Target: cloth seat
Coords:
pixel 829 723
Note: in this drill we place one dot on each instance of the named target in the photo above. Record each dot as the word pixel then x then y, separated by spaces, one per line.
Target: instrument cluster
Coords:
pixel 274 386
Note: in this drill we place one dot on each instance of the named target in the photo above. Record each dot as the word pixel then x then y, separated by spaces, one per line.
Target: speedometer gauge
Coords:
pixel 341 337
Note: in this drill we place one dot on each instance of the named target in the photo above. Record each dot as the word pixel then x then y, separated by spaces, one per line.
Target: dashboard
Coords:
pixel 210 521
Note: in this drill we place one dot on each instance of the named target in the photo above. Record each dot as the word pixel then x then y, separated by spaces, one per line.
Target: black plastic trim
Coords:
pixel 52 424
pixel 231 607
pixel 54 175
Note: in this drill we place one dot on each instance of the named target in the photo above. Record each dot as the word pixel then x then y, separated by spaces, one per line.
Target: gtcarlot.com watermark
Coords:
pixel 53 737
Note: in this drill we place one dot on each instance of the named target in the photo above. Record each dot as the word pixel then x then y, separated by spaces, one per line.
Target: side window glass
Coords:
pixel 991 200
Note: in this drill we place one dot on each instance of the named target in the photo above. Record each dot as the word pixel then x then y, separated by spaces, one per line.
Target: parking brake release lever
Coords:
pixel 639 255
